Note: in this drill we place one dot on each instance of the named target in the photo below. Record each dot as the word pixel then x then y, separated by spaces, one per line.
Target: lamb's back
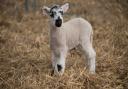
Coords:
pixel 74 29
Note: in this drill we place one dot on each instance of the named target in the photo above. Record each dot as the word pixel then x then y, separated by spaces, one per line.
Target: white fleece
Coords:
pixel 72 33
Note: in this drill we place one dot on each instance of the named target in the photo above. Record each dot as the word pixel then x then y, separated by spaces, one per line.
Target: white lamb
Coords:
pixel 66 36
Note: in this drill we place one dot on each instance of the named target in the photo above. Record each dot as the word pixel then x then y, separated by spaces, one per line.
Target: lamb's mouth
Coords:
pixel 58 23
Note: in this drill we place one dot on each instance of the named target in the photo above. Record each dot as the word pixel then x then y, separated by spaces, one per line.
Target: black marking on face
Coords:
pixel 52 14
pixel 54 9
pixel 59 67
pixel 61 12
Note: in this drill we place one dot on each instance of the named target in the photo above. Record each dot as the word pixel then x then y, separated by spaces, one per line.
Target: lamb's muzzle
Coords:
pixel 58 22
pixel 65 36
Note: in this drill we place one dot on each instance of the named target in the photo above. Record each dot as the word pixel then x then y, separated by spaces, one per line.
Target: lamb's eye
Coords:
pixel 52 14
pixel 61 12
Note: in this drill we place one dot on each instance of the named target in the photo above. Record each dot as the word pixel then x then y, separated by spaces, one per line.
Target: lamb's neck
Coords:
pixel 54 29
pixel 55 32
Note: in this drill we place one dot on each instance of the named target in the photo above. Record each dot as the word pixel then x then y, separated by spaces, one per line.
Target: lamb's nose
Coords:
pixel 58 22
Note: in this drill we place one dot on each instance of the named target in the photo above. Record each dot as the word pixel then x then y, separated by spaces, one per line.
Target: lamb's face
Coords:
pixel 56 13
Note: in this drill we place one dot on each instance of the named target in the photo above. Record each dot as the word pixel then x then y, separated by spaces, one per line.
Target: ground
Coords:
pixel 25 53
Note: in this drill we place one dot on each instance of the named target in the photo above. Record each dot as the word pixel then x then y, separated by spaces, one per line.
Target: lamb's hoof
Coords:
pixel 58 73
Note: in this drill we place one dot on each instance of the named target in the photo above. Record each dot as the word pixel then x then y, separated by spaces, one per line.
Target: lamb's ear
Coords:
pixel 46 10
pixel 65 7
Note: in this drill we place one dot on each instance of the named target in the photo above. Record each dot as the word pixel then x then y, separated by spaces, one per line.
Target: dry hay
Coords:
pixel 25 54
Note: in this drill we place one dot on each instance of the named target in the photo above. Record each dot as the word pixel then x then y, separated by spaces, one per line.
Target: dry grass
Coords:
pixel 25 54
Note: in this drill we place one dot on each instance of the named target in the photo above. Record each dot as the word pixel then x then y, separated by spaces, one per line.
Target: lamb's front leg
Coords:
pixel 58 61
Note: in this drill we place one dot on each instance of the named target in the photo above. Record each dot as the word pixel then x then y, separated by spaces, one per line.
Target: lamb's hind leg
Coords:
pixel 90 57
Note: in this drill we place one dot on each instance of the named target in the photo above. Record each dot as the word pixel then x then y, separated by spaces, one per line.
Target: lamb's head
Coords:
pixel 56 13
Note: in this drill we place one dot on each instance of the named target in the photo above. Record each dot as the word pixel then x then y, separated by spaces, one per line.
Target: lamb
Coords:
pixel 64 36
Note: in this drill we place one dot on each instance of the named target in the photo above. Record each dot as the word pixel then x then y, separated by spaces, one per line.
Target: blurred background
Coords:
pixel 25 53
